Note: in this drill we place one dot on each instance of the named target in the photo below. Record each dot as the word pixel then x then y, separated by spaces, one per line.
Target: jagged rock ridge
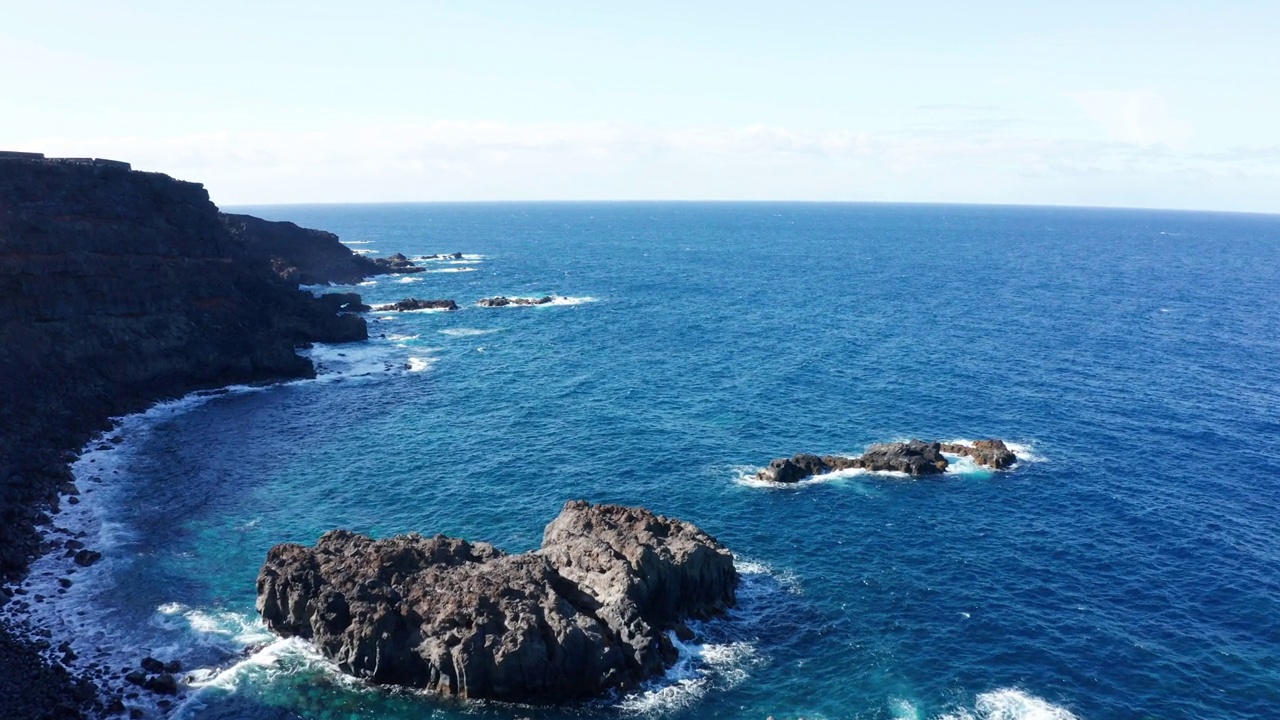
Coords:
pixel 586 613
pixel 914 457
pixel 410 304
pixel 310 257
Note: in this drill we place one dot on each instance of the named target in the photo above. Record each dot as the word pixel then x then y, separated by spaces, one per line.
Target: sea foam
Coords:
pixel 1010 704
pixel 465 332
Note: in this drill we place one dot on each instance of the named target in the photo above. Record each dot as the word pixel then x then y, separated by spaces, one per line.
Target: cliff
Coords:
pixel 309 257
pixel 119 288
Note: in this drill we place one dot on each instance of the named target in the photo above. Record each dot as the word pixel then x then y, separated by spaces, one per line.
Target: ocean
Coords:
pixel 1128 567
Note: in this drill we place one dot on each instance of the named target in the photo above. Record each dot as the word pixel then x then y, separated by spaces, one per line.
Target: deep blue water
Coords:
pixel 1129 567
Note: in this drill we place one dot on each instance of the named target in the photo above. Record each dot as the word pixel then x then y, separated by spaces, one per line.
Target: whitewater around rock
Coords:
pixel 586 613
pixel 914 457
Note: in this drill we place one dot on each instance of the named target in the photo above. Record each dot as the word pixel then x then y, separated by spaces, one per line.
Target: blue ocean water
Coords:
pixel 1129 567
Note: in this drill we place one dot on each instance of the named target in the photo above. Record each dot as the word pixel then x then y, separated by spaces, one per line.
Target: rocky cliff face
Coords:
pixel 586 613
pixel 309 257
pixel 119 288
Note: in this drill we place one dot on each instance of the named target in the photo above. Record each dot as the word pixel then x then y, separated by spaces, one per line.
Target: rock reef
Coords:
pixel 914 457
pixel 501 301
pixel 410 304
pixel 587 613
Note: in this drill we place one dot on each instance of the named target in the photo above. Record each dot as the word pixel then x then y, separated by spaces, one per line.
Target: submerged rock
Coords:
pixel 585 614
pixel 502 301
pixel 914 457
pixel 408 304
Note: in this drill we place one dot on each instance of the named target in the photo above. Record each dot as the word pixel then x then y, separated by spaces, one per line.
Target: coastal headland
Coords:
pixel 120 288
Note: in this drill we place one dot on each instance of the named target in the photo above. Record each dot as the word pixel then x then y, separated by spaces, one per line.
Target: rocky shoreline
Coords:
pixel 119 289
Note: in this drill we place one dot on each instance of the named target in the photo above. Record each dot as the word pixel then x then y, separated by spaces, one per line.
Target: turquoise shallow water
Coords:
pixel 1127 568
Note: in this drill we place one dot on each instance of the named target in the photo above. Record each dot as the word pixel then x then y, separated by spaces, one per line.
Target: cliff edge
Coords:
pixel 118 288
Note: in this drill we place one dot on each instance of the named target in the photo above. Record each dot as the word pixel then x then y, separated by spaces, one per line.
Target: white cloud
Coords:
pixel 449 160
pixel 1140 117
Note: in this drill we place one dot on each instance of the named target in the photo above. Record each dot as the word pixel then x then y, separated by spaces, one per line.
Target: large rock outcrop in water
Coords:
pixel 914 457
pixel 586 613
pixel 411 304
pixel 118 288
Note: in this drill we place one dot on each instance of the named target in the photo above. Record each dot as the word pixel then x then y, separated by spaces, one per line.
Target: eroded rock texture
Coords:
pixel 914 457
pixel 309 257
pixel 586 613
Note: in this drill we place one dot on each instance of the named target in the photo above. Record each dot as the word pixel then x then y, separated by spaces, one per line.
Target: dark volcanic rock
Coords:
pixel 914 457
pixel 648 573
pixel 991 453
pixel 794 469
pixel 343 302
pixel 85 558
pixel 394 264
pixel 163 684
pixel 309 257
pixel 117 289
pixel 501 301
pixel 415 304
pixel 585 614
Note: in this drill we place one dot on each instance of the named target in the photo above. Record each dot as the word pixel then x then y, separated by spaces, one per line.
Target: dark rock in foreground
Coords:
pixel 501 301
pixel 585 614
pixel 117 288
pixel 409 304
pixel 914 457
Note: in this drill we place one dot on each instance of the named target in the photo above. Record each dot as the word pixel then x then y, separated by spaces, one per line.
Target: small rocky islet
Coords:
pixel 916 458
pixel 411 304
pixel 586 613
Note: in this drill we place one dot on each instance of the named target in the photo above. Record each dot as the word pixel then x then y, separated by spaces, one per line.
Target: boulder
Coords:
pixel 794 469
pixel 991 453
pixel 408 304
pixel 163 684
pixel 85 558
pixel 914 457
pixel 585 614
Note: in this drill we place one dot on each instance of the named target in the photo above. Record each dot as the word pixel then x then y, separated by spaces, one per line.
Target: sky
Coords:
pixel 1132 104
